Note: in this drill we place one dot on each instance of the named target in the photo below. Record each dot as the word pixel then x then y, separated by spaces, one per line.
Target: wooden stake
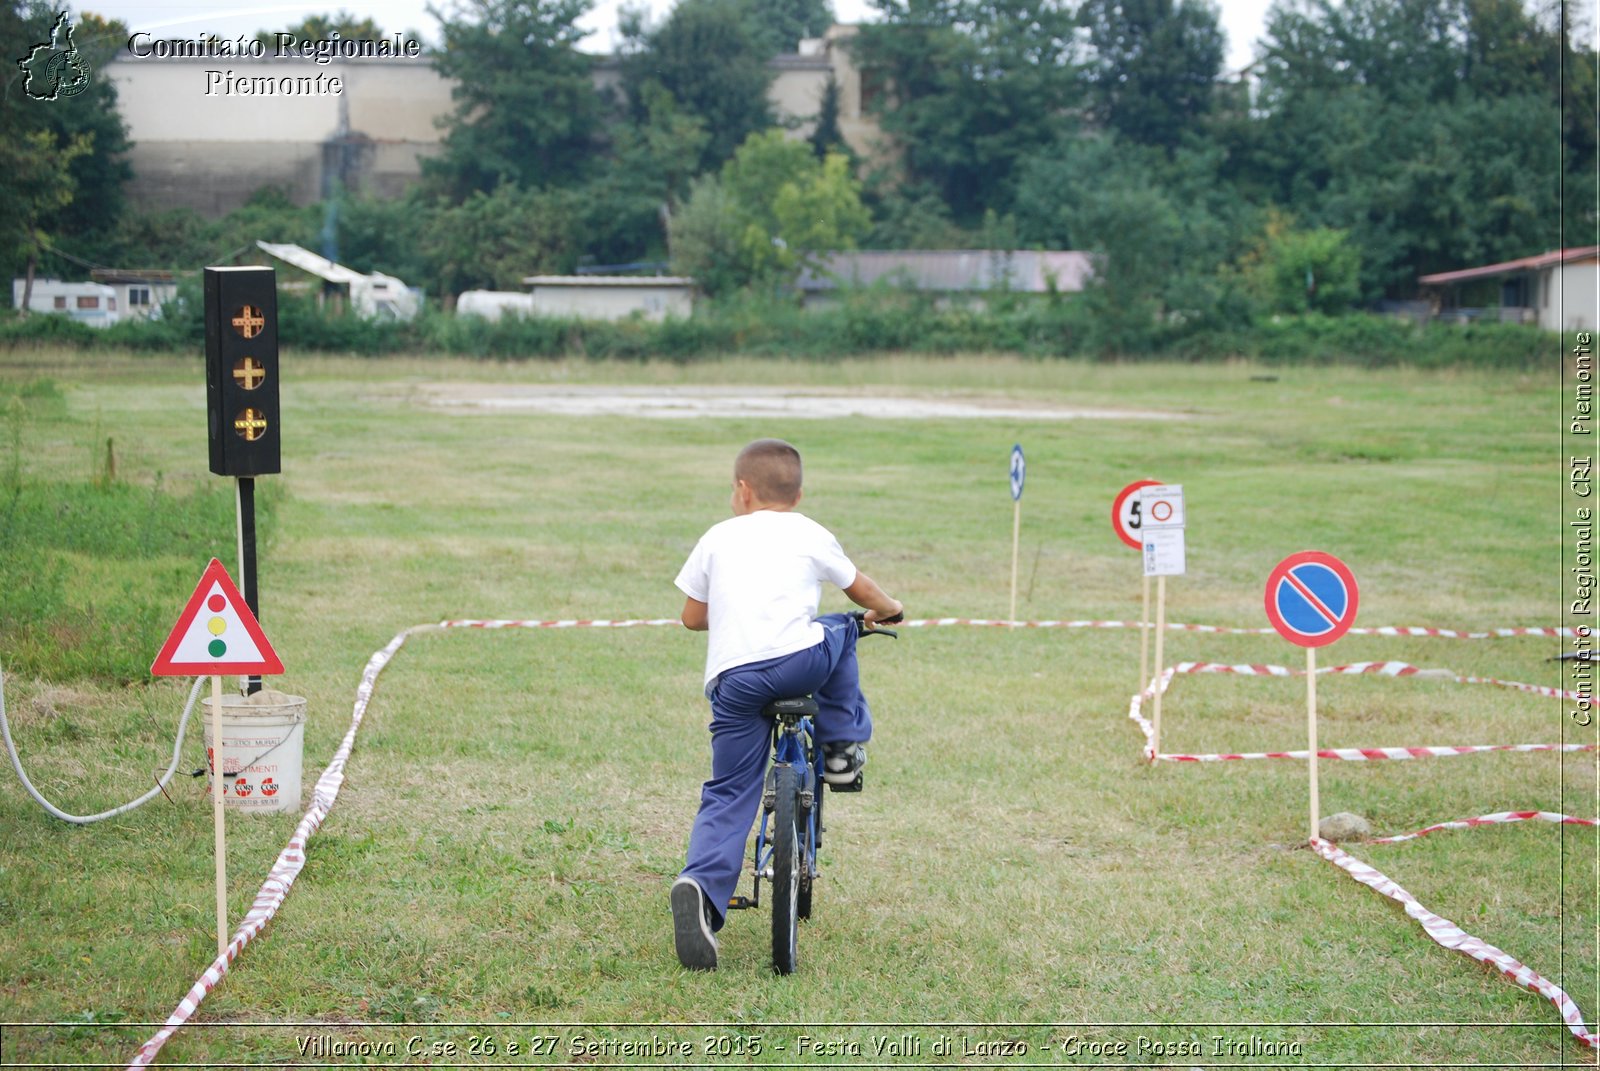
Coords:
pixel 1161 631
pixel 1311 732
pixel 1016 535
pixel 1144 639
pixel 218 794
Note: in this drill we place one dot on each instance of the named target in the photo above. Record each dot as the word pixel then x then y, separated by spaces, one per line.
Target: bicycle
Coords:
pixel 791 817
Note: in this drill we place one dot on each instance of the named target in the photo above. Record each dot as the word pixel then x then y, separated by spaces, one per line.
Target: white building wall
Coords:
pixel 612 301
pixel 94 304
pixel 1570 295
pixel 199 146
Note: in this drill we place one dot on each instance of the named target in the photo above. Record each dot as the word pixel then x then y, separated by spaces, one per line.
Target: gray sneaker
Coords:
pixel 691 926
pixel 842 762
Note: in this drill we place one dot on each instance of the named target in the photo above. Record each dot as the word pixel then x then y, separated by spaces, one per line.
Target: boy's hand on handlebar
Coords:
pixel 874 617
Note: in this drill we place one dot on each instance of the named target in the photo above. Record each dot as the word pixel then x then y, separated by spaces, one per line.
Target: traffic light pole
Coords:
pixel 246 516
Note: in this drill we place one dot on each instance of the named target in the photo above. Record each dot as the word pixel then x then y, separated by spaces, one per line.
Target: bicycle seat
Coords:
pixel 800 706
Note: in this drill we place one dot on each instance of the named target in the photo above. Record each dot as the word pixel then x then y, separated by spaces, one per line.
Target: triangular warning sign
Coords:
pixel 216 633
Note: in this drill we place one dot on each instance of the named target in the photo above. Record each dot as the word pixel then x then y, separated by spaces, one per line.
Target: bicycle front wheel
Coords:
pixel 786 865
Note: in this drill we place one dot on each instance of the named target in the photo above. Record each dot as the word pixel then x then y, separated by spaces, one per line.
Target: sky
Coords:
pixel 1241 19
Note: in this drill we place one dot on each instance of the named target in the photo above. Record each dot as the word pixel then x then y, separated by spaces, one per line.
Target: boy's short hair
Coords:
pixel 772 469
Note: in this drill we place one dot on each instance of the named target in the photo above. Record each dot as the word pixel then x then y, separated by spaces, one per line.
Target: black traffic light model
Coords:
pixel 242 370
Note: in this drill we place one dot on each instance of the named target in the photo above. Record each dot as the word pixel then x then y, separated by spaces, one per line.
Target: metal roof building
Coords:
pixel 1558 290
pixel 375 296
pixel 949 271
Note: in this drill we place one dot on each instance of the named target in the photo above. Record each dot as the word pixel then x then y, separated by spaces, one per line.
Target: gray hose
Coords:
pixel 161 783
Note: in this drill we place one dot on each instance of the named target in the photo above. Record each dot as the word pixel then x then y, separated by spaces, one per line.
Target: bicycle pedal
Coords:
pixel 853 786
pixel 741 903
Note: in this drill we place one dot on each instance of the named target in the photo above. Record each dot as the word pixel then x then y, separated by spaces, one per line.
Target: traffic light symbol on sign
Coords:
pixel 249 373
pixel 216 635
pixel 217 626
pixel 250 424
pixel 248 321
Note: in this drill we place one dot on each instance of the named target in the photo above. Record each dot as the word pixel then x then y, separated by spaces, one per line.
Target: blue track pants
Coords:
pixel 741 743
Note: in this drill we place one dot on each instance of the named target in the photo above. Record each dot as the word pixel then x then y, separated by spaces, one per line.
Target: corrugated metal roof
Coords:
pixel 1025 271
pixel 132 275
pixel 607 280
pixel 1533 263
pixel 306 260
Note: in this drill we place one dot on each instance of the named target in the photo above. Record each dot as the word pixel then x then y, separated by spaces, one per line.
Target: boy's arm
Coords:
pixel 866 593
pixel 694 616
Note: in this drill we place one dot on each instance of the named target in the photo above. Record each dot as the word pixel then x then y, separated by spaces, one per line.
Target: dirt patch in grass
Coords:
pixel 685 402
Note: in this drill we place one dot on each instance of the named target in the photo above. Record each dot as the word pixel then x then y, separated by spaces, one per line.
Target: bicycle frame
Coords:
pixel 792 745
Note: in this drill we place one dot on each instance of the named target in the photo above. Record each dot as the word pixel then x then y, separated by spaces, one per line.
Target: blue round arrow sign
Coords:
pixel 1019 472
pixel 1311 598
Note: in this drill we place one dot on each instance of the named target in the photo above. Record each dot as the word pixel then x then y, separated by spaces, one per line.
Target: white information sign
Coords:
pixel 1161 507
pixel 1163 552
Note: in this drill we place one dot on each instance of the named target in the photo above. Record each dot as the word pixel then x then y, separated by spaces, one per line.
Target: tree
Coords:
pixel 827 137
pixel 492 240
pixel 782 24
pixel 1402 50
pixel 1424 128
pixel 1154 67
pixel 915 217
pixel 1159 230
pixel 1292 270
pixel 707 60
pixel 384 234
pixel 38 186
pixel 643 181
pixel 706 239
pixel 773 209
pixel 61 154
pixel 967 88
pixel 526 111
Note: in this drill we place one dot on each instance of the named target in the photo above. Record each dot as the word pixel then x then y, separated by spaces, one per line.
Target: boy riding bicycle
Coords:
pixel 753 582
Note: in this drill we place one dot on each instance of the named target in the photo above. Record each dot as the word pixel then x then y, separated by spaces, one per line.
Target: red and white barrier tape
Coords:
pixel 1175 626
pixel 1163 681
pixel 288 865
pixel 634 622
pixel 1449 935
pixel 1498 818
pixel 1460 634
pixel 982 622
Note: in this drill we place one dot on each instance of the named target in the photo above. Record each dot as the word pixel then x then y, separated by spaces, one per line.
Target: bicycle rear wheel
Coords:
pixel 786 864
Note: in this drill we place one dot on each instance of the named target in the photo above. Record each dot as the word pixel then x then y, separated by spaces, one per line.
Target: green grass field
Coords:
pixel 496 868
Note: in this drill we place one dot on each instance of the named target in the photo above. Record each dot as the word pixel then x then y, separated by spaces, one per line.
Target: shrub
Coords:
pixel 863 320
pixel 45 329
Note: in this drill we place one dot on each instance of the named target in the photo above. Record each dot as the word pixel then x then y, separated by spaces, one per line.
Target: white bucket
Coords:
pixel 263 740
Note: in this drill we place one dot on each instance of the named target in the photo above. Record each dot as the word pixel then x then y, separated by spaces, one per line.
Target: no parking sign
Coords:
pixel 1311 598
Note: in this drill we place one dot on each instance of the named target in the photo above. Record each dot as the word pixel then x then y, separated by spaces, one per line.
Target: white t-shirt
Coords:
pixel 760 576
